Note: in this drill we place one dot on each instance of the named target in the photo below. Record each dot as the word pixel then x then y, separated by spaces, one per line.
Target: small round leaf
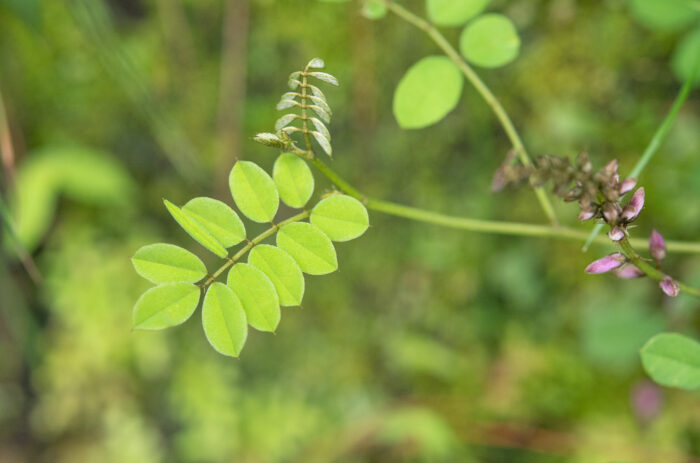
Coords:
pixel 374 9
pixel 341 217
pixel 257 294
pixel 490 41
pixel 664 15
pixel 224 320
pixel 218 219
pixel 166 305
pixel 254 191
pixel 686 57
pixel 282 270
pixel 167 263
pixel 294 180
pixel 673 360
pixel 454 12
pixel 309 246
pixel 195 230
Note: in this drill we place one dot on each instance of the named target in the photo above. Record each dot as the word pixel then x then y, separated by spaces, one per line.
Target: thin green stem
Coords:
pixel 483 90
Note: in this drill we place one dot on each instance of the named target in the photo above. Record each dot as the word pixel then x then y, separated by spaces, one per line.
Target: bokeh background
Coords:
pixel 429 344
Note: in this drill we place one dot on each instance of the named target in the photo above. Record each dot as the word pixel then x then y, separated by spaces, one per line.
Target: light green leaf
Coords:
pixel 282 270
pixel 341 217
pixel 673 360
pixel 285 120
pixel 294 180
pixel 454 12
pixel 427 92
pixel 309 246
pixel 316 63
pixel 254 191
pixel 490 41
pixel 686 56
pixel 257 294
pixel 224 320
pixel 166 305
pixel 218 219
pixel 195 230
pixel 664 15
pixel 166 263
pixel 374 9
pixel 325 77
pixel 324 142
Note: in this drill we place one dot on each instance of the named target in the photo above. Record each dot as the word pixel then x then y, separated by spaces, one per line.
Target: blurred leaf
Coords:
pixel 294 180
pixel 257 294
pixel 341 217
pixel 490 41
pixel 224 320
pixel 421 428
pixel 254 191
pixel 664 15
pixel 454 12
pixel 282 270
pixel 309 247
pixel 374 9
pixel 673 360
pixel 218 219
pixel 427 92
pixel 28 11
pixel 167 263
pixel 195 230
pixel 166 305
pixel 686 56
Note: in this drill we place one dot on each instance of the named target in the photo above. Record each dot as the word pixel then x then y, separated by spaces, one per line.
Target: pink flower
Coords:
pixel 616 233
pixel 657 246
pixel 605 264
pixel 586 215
pixel 627 185
pixel 628 271
pixel 634 207
pixel 669 286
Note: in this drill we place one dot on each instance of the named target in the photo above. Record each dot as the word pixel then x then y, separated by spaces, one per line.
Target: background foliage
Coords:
pixel 430 344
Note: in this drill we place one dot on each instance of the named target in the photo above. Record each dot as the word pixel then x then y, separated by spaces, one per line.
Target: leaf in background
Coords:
pixel 427 92
pixel 490 41
pixel 294 180
pixel 664 15
pixel 218 219
pixel 254 191
pixel 454 12
pixel 673 360
pixel 282 270
pixel 257 294
pixel 29 11
pixel 686 56
pixel 374 9
pixel 166 305
pixel 167 263
pixel 195 230
pixel 341 217
pixel 309 246
pixel 224 320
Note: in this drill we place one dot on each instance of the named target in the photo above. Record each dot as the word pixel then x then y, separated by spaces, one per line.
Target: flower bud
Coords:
pixel 657 246
pixel 611 168
pixel 586 215
pixel 605 264
pixel 634 207
pixel 611 212
pixel 669 286
pixel 616 233
pixel 627 185
pixel 628 271
pixel 270 139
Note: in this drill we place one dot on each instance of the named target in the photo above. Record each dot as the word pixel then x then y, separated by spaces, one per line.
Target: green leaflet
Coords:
pixel 490 41
pixel 374 9
pixel 427 92
pixel 166 263
pixel 257 294
pixel 341 217
pixel 254 191
pixel 665 15
pixel 293 179
pixel 309 246
pixel 218 219
pixel 686 56
pixel 166 305
pixel 224 320
pixel 673 360
pixel 454 12
pixel 195 230
pixel 282 270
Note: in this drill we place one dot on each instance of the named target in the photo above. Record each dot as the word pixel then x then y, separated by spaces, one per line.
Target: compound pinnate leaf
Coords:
pixel 218 219
pixel 454 12
pixel 282 270
pixel 167 263
pixel 254 191
pixel 257 294
pixel 195 230
pixel 309 247
pixel 427 92
pixel 490 41
pixel 672 360
pixel 341 217
pixel 224 320
pixel 166 305
pixel 294 180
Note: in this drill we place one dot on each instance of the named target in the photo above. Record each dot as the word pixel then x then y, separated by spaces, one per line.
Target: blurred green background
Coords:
pixel 430 344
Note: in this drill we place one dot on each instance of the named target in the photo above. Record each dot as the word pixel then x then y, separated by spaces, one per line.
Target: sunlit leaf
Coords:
pixel 673 360
pixel 490 41
pixel 341 217
pixel 294 180
pixel 254 191
pixel 166 263
pixel 374 9
pixel 686 56
pixel 427 92
pixel 195 230
pixel 664 15
pixel 166 305
pixel 282 270
pixel 325 77
pixel 454 12
pixel 257 294
pixel 218 219
pixel 224 320
pixel 309 247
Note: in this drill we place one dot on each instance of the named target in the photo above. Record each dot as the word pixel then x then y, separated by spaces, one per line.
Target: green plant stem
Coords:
pixel 628 249
pixel 231 261
pixel 483 90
